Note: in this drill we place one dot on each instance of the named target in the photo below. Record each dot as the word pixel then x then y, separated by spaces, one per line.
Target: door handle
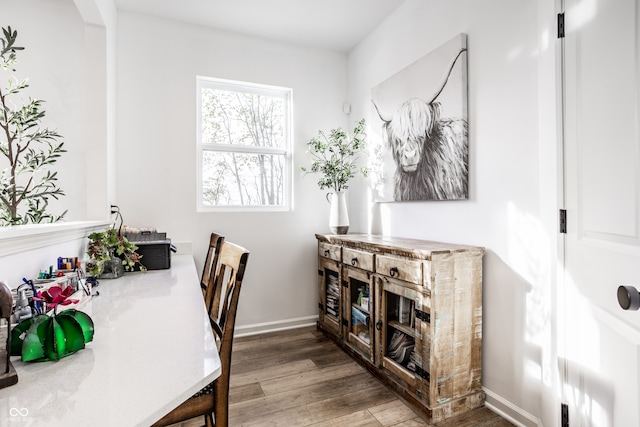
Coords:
pixel 628 297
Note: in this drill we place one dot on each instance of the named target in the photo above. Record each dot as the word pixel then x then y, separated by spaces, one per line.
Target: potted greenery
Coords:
pixel 335 158
pixel 111 254
pixel 29 150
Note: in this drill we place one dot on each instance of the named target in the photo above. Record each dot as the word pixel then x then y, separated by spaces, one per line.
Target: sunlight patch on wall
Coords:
pixel 528 251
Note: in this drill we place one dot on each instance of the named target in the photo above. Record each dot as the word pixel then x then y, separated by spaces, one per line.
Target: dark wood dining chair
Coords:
pixel 210 267
pixel 212 402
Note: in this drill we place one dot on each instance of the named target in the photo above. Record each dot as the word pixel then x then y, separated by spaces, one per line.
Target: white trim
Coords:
pixel 247 87
pixel 284 93
pixel 278 325
pixel 509 411
pixel 248 149
pixel 21 238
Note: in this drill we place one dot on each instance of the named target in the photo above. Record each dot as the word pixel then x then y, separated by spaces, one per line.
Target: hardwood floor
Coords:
pixel 301 378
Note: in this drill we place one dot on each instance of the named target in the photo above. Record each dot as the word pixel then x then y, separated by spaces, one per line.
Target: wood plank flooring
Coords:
pixel 301 378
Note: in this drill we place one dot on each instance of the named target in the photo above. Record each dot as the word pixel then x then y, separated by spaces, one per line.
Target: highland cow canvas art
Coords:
pixel 419 140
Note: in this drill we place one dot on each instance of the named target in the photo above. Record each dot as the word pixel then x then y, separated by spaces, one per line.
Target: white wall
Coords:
pixel 100 17
pixel 52 33
pixel 512 164
pixel 158 61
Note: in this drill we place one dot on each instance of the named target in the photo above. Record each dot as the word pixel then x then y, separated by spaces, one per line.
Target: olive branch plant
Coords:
pixel 335 156
pixel 29 149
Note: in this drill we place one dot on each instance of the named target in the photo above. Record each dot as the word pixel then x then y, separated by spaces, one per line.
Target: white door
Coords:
pixel 600 352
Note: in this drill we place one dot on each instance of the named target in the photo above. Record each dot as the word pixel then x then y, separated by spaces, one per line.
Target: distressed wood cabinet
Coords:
pixel 411 312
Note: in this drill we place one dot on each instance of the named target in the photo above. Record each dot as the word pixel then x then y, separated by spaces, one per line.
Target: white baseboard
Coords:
pixel 509 411
pixel 278 325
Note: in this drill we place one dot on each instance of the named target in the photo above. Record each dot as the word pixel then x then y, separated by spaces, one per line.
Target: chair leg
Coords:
pixel 208 421
pixel 221 410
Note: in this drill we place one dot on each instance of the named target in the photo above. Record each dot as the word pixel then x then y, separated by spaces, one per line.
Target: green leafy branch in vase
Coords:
pixel 335 156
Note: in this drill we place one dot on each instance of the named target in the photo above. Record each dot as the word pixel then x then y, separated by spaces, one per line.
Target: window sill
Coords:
pixel 23 238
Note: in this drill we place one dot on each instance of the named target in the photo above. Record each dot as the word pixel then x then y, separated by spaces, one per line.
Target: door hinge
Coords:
pixel 564 410
pixel 563 221
pixel 561 25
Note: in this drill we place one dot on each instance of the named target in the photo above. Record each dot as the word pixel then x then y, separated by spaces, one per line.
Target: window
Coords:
pixel 244 146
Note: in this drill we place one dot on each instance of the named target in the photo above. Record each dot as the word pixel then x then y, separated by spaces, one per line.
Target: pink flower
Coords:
pixel 56 295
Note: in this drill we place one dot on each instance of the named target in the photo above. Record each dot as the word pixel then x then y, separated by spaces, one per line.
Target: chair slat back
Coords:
pixel 228 279
pixel 210 267
pixel 228 282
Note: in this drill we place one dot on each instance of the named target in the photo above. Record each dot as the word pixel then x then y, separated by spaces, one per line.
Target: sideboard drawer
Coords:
pixel 330 251
pixel 356 258
pixel 400 268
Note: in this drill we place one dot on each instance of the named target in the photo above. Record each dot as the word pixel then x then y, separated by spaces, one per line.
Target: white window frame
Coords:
pixel 286 152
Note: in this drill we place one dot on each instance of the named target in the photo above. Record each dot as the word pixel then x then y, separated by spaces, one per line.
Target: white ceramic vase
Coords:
pixel 338 215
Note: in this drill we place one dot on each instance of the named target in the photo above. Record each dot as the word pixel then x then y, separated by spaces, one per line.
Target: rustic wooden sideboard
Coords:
pixel 410 311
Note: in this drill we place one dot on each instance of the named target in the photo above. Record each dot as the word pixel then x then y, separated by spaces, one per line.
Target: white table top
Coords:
pixel 152 349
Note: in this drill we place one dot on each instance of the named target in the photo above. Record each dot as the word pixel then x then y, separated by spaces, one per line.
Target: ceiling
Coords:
pixel 330 24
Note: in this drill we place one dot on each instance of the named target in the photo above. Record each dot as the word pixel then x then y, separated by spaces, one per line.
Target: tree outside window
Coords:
pixel 244 146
